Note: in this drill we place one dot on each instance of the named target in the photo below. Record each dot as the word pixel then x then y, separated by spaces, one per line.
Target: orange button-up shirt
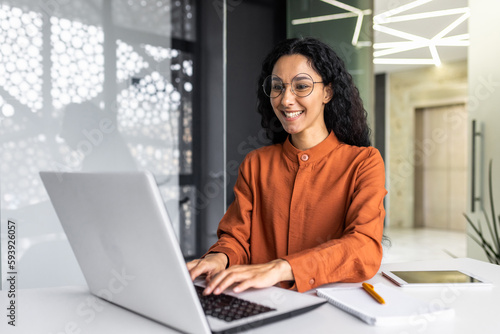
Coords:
pixel 320 209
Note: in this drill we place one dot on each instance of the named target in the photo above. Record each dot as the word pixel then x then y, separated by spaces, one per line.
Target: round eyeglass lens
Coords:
pixel 302 85
pixel 273 86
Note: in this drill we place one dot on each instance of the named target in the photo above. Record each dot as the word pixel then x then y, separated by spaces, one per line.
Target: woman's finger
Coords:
pixel 231 278
pixel 191 264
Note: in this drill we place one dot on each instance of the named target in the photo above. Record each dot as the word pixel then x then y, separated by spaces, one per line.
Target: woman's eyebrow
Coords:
pixel 297 76
pixel 302 76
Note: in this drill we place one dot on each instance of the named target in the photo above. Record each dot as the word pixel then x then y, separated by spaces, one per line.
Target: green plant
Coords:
pixel 491 248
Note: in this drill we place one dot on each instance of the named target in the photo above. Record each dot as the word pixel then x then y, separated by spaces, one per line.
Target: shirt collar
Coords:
pixel 313 154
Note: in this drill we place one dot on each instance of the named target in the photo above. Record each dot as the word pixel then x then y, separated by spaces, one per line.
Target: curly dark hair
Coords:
pixel 344 114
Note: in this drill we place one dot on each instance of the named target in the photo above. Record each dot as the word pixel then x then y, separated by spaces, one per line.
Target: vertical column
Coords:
pixel 210 202
pixel 46 66
pixel 109 87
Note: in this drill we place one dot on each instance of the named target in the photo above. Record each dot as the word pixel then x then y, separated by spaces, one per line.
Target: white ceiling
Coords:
pixel 425 28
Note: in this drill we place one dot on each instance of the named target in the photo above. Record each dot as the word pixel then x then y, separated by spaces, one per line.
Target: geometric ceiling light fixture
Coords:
pixel 350 12
pixel 407 41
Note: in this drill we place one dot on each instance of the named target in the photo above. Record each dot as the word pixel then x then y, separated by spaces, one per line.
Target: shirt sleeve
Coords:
pixel 234 228
pixel 357 255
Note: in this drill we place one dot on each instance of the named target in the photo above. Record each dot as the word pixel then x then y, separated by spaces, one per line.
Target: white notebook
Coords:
pixel 399 308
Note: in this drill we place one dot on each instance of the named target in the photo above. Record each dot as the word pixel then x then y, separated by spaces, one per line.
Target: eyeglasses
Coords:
pixel 302 85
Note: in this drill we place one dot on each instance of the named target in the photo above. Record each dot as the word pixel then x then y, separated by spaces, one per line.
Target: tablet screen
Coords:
pixel 443 276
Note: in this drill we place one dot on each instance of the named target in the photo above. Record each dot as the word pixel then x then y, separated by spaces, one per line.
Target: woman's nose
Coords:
pixel 287 97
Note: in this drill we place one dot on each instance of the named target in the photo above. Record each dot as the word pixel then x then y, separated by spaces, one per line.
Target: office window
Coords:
pixel 67 66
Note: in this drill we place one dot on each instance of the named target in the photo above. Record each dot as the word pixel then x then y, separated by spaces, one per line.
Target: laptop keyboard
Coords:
pixel 229 308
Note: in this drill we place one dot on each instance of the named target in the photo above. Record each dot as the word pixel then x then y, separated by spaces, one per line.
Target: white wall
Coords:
pixel 484 103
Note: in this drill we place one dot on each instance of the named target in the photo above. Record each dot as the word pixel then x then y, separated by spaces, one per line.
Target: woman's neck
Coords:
pixel 304 141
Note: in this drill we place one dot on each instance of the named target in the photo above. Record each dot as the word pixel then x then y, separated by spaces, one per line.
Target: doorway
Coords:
pixel 440 167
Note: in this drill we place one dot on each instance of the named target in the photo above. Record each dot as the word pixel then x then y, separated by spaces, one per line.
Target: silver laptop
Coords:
pixel 125 244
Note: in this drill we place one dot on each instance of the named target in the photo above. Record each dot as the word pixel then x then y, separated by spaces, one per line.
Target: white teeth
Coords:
pixel 293 114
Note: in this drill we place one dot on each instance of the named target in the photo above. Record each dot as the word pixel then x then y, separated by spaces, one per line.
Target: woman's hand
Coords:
pixel 250 276
pixel 210 265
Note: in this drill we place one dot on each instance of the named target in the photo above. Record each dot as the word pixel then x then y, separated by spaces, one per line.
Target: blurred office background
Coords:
pixel 170 86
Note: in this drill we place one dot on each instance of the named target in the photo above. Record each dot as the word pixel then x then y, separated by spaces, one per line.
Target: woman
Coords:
pixel 308 210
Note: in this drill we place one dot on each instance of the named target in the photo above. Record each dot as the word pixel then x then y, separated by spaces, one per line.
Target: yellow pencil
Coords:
pixel 369 288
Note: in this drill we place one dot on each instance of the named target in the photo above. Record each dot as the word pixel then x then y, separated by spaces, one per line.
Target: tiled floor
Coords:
pixel 423 244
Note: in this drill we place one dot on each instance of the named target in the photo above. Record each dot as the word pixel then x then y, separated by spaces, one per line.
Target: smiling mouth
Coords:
pixel 292 115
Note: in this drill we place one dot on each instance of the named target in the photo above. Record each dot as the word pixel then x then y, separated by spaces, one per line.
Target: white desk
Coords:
pixel 63 310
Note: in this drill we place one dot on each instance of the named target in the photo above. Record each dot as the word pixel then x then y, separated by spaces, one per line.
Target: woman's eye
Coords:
pixel 277 87
pixel 302 86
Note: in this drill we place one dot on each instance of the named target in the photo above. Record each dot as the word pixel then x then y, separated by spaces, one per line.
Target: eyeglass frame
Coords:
pixel 289 83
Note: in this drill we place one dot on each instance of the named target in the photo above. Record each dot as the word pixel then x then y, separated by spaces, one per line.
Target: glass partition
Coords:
pixel 347 27
pixel 92 86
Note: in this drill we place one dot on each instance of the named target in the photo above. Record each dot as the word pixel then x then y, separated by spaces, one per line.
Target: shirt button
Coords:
pixel 304 157
pixel 311 281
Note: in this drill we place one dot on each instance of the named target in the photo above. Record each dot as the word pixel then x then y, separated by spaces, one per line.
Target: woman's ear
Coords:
pixel 327 93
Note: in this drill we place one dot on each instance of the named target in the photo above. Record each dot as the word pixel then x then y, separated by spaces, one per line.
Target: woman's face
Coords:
pixel 300 115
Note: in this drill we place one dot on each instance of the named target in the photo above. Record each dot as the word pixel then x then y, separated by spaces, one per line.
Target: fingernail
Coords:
pixel 217 291
pixel 236 289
